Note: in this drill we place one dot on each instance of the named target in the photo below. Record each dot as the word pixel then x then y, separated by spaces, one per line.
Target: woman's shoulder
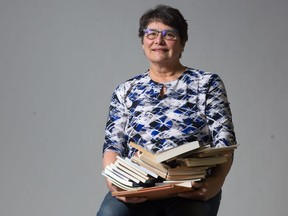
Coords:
pixel 201 74
pixel 129 83
pixel 138 78
pixel 204 77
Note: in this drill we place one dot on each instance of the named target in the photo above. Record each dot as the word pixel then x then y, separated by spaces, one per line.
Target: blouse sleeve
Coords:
pixel 218 113
pixel 115 139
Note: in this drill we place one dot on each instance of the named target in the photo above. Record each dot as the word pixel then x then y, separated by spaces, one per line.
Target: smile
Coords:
pixel 160 50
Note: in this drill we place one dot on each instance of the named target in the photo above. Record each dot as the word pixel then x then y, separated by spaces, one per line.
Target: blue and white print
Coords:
pixel 194 107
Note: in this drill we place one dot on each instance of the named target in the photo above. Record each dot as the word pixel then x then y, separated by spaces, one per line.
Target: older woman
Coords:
pixel 167 105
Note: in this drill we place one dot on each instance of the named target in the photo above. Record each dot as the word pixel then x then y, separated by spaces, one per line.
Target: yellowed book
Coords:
pixel 148 166
pixel 168 154
pixel 205 161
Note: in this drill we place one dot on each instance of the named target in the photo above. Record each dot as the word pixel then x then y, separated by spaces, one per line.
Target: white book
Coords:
pixel 119 179
pixel 127 175
pixel 130 172
pixel 149 172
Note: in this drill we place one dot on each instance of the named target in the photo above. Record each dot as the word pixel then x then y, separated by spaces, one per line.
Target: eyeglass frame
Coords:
pixel 163 33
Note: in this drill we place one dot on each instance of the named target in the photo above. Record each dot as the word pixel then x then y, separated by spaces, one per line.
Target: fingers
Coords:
pixel 137 154
pixel 197 185
pixel 197 194
pixel 195 188
pixel 113 188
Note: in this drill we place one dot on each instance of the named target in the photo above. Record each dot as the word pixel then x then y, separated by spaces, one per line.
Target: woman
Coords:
pixel 168 105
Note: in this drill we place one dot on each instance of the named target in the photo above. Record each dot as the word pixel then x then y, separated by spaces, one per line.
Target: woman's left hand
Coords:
pixel 210 187
pixel 203 190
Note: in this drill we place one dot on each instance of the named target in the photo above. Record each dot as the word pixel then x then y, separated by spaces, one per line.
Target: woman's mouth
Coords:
pixel 160 50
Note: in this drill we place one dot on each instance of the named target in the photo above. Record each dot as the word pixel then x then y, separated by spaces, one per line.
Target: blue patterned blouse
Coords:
pixel 194 107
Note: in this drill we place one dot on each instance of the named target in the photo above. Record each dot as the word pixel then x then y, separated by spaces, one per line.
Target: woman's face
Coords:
pixel 161 50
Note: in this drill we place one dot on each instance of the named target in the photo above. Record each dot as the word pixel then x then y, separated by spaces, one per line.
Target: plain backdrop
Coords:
pixel 60 61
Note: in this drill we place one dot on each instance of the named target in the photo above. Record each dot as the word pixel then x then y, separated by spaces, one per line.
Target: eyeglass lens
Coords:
pixel 167 34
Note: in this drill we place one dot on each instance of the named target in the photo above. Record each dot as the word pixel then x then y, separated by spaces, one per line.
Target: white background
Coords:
pixel 60 60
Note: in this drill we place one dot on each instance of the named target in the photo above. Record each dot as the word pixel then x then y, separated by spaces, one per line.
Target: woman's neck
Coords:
pixel 164 74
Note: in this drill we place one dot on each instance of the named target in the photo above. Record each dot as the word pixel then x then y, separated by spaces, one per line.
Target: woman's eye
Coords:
pixel 170 35
pixel 153 33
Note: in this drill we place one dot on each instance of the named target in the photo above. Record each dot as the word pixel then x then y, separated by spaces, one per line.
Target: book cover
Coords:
pixel 169 153
pixel 204 161
pixel 156 192
pixel 212 151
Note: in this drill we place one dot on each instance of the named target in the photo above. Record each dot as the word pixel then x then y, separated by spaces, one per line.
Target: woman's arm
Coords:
pixel 211 186
pixel 221 129
pixel 109 157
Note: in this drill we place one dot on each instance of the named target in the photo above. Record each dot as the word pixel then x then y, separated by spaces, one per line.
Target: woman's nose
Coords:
pixel 160 39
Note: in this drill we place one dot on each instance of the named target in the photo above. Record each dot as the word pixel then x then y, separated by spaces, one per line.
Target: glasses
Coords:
pixel 169 34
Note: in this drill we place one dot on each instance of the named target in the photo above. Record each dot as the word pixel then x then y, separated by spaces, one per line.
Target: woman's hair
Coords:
pixel 168 16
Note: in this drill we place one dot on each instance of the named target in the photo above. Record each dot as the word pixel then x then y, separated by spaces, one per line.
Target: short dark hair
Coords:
pixel 168 16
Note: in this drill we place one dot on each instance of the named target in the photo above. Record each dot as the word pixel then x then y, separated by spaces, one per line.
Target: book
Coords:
pixel 119 184
pixel 169 153
pixel 127 175
pixel 121 175
pixel 185 170
pixel 160 172
pixel 158 165
pixel 130 172
pixel 128 168
pixel 169 173
pixel 182 183
pixel 110 175
pixel 147 171
pixel 163 175
pixel 186 177
pixel 212 151
pixel 189 173
pixel 163 191
pixel 204 161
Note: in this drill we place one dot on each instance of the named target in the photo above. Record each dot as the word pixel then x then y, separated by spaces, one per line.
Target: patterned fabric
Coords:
pixel 194 107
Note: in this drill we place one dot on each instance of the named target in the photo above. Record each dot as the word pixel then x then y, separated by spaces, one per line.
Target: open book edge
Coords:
pixel 167 154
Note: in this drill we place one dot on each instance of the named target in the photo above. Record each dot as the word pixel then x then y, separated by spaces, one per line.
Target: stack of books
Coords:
pixel 166 173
